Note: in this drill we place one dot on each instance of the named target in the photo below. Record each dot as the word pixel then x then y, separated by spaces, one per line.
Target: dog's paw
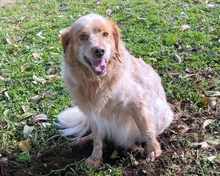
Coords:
pixel 91 162
pixel 153 151
pixel 152 154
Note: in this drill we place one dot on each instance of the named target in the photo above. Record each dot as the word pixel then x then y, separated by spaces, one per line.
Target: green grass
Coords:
pixel 151 30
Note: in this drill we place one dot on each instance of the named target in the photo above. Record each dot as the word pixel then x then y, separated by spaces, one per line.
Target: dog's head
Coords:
pixel 93 41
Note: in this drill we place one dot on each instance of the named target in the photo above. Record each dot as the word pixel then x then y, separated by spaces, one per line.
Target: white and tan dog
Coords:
pixel 116 96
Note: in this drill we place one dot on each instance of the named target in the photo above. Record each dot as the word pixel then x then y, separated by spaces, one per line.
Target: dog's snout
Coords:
pixel 98 51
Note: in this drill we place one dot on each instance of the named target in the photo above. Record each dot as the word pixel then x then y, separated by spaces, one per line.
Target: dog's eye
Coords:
pixel 105 34
pixel 84 37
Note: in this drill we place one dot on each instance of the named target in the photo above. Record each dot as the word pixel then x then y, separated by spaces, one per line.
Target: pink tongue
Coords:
pixel 99 65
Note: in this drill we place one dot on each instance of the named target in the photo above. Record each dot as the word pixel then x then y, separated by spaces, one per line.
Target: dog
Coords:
pixel 115 95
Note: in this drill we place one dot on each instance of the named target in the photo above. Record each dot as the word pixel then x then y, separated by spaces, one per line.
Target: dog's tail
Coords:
pixel 73 123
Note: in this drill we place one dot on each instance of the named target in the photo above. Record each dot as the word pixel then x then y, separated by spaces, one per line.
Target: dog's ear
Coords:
pixel 117 36
pixel 65 38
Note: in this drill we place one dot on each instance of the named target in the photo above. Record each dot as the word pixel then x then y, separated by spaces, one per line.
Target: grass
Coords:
pixel 188 61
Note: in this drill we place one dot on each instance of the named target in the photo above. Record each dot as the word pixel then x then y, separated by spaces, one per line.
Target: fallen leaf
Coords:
pixel 211 5
pixel 40 37
pixel 204 145
pixel 38 79
pixel 54 76
pixel 27 130
pixel 177 58
pixel 36 55
pixel 183 15
pixel 184 27
pixel 6 94
pixel 109 11
pixel 35 98
pixel 64 8
pixel 115 154
pixel 211 158
pixel 187 48
pixel 212 140
pixel 16 48
pixel 207 101
pixel 188 70
pixel 40 117
pixel 9 40
pixel 25 115
pixel 25 108
pixel 207 122
pixel 214 158
pixel 183 128
pixel 49 70
pixel 179 115
pixel 24 66
pixel 212 93
pixel 24 145
pixel 47 94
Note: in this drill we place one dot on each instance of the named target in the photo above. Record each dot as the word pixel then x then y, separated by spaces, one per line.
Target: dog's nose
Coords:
pixel 98 51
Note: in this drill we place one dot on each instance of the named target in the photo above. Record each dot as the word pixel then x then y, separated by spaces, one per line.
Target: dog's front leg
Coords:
pixel 95 159
pixel 147 129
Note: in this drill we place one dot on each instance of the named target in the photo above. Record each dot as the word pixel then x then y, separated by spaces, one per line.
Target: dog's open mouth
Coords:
pixel 97 65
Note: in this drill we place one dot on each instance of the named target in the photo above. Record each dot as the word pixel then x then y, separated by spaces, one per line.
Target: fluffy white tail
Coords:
pixel 73 123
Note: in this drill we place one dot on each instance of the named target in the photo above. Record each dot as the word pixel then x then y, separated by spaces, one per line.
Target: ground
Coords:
pixel 176 159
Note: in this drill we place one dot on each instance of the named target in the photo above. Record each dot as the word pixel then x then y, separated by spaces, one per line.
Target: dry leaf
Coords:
pixel 36 55
pixel 64 8
pixel 16 48
pixel 212 140
pixel 204 145
pixel 24 66
pixel 25 115
pixel 212 93
pixel 187 48
pixel 24 145
pixel 208 101
pixel 183 128
pixel 188 70
pixel 48 94
pixel 178 115
pixel 25 108
pixel 115 154
pixel 27 130
pixel 177 58
pixel 40 37
pixel 109 11
pixel 38 79
pixel 9 40
pixel 211 5
pixel 214 158
pixel 40 117
pixel 35 98
pixel 184 27
pixel 183 15
pixel 207 122
pixel 6 94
